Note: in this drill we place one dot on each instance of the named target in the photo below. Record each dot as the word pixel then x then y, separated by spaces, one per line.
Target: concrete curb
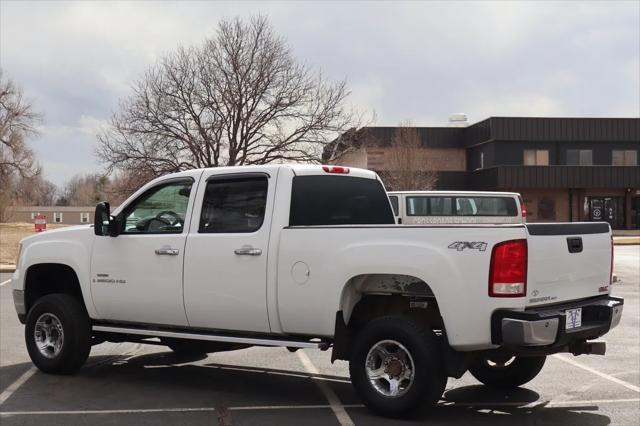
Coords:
pixel 5 269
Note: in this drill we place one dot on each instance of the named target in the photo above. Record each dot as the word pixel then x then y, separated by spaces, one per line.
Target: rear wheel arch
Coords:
pixel 49 278
pixel 370 296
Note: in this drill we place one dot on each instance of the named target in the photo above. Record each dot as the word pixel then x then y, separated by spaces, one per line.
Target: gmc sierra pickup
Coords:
pixel 304 256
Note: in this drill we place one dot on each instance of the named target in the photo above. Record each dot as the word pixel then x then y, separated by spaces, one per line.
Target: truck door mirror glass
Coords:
pixel 104 223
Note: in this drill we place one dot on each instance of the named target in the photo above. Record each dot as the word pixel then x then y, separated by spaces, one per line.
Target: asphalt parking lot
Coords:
pixel 130 384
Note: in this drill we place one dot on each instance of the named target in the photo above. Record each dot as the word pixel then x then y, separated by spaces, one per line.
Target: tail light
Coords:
pixel 523 208
pixel 336 169
pixel 508 270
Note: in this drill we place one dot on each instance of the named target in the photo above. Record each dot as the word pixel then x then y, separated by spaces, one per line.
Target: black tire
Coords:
pixel 76 326
pixel 429 378
pixel 504 374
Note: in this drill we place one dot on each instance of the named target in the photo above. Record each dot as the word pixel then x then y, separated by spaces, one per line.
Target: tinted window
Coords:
pixel 394 204
pixel 461 206
pixel 161 209
pixel 579 157
pixel 338 200
pixel 234 205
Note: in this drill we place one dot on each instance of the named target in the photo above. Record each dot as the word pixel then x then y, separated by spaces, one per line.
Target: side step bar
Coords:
pixel 214 338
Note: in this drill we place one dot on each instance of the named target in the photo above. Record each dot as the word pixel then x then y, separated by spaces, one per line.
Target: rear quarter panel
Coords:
pixel 333 255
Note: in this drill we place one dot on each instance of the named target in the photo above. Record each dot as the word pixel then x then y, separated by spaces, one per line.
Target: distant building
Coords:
pixel 567 169
pixel 54 214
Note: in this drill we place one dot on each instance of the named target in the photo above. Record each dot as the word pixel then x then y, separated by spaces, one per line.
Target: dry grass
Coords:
pixel 10 236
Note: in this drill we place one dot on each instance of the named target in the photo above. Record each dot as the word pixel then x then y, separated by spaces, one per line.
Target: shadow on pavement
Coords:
pixel 167 380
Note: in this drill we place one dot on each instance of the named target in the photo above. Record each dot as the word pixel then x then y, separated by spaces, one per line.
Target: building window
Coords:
pixel 84 217
pixel 579 157
pixel 624 157
pixel 57 217
pixel 547 208
pixel 536 157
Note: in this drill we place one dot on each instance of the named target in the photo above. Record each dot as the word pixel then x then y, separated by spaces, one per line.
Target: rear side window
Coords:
pixel 394 204
pixel 339 200
pixel 461 206
pixel 234 205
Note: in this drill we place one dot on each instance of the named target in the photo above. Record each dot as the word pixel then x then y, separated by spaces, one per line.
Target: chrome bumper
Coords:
pixel 529 333
pixel 546 326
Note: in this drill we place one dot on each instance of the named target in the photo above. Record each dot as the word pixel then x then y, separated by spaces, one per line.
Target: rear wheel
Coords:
pixel 58 334
pixel 395 366
pixel 507 372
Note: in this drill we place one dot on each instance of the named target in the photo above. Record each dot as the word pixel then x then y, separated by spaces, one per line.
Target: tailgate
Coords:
pixel 568 261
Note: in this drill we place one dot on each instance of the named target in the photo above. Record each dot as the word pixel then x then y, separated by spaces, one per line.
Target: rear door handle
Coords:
pixel 248 251
pixel 167 251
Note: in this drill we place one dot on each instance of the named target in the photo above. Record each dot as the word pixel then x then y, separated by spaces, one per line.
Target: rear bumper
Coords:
pixel 547 326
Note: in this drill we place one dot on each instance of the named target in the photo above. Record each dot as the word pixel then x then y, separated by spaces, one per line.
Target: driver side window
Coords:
pixel 160 210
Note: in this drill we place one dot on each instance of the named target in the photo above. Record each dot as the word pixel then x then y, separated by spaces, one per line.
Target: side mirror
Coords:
pixel 103 222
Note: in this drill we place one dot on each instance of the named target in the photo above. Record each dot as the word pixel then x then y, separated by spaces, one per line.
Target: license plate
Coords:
pixel 573 318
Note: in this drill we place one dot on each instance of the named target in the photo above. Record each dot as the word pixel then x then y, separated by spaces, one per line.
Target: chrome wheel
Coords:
pixel 390 368
pixel 49 335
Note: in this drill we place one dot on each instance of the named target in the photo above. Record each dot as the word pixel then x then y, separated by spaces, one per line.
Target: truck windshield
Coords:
pixel 339 200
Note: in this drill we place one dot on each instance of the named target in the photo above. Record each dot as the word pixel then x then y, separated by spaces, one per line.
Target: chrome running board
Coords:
pixel 213 337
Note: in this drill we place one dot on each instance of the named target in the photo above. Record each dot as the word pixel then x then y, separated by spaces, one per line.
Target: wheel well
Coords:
pixel 366 297
pixel 48 278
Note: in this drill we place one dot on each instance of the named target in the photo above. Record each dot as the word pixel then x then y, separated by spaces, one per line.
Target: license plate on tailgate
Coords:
pixel 573 318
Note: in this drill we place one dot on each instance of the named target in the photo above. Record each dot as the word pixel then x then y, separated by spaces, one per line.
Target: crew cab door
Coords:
pixel 137 276
pixel 225 271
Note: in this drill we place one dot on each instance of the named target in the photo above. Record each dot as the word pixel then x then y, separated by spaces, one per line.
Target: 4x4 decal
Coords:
pixel 473 245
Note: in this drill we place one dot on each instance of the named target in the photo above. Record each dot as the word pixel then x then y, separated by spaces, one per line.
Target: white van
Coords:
pixel 423 207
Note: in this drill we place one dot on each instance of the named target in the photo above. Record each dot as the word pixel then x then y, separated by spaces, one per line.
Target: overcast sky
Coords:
pixel 419 61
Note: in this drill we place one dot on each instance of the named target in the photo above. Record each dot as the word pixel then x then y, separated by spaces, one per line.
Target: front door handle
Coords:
pixel 167 251
pixel 248 251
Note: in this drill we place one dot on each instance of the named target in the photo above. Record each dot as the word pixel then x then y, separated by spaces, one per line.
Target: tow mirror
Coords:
pixel 104 223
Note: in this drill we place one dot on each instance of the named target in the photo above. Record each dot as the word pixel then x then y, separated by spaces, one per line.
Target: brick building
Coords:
pixel 567 169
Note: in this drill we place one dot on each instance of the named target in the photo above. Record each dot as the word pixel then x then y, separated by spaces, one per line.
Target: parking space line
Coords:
pixel 336 406
pixel 522 404
pixel 6 394
pixel 5 282
pixel 598 373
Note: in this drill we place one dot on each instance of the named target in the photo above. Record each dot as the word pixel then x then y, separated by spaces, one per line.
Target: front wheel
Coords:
pixel 395 366
pixel 58 334
pixel 507 372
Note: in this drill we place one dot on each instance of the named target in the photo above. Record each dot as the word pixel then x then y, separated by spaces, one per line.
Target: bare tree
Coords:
pixel 407 165
pixel 240 98
pixel 18 121
pixel 84 190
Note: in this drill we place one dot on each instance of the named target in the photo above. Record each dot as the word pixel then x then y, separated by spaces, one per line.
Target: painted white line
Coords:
pixel 539 403
pixel 523 404
pixel 336 406
pixel 5 282
pixel 6 394
pixel 172 410
pixel 598 373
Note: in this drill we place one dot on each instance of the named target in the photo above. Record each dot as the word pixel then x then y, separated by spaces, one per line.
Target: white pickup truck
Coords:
pixel 304 256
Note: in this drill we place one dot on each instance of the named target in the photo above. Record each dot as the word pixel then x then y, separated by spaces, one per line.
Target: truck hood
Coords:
pixel 70 232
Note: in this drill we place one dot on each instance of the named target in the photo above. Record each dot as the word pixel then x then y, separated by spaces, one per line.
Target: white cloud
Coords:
pixel 405 60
